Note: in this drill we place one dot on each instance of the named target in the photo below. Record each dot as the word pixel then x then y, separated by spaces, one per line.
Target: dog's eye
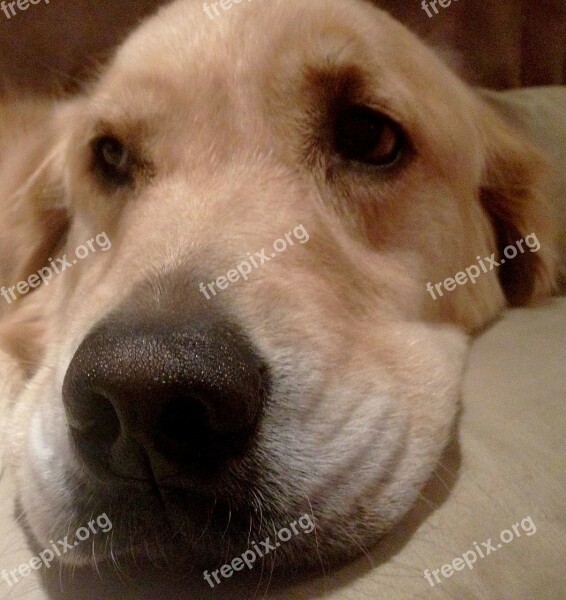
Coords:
pixel 366 136
pixel 112 160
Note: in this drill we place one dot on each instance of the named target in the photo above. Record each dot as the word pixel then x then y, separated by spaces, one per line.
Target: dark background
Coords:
pixel 496 43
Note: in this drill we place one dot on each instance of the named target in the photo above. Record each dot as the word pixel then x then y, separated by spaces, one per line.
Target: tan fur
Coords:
pixel 368 365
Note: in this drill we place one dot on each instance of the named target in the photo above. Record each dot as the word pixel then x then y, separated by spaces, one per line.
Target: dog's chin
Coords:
pixel 165 527
pixel 153 543
pixel 166 533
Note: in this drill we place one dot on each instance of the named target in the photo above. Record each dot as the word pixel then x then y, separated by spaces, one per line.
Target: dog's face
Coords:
pixel 270 193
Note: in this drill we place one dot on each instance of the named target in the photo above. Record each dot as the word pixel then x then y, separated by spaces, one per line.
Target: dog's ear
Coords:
pixel 512 194
pixel 39 216
pixel 34 215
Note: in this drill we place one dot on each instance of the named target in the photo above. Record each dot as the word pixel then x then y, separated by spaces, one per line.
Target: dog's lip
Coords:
pixel 157 528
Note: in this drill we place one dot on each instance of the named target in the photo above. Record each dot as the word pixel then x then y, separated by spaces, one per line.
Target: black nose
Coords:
pixel 148 400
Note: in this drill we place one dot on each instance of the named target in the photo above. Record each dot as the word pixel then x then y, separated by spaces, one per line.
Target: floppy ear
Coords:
pixel 512 194
pixel 33 214
pixel 38 219
pixel 33 218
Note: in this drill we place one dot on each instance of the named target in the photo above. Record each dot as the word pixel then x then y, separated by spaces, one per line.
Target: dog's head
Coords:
pixel 246 211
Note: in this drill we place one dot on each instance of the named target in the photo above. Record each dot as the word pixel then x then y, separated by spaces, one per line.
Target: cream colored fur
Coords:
pixel 367 366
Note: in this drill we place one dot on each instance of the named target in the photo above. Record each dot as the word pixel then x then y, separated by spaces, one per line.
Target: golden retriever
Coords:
pixel 321 140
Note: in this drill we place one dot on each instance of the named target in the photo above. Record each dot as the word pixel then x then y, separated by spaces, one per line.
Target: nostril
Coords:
pixel 184 429
pixel 185 420
pixel 95 410
pixel 189 432
pixel 96 427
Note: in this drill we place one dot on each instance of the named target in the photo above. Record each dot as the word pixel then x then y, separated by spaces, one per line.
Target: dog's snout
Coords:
pixel 185 397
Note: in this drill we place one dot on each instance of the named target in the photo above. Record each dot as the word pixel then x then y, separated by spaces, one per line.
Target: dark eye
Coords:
pixel 112 160
pixel 366 136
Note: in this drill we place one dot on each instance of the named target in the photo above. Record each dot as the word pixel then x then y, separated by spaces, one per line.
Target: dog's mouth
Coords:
pixel 160 524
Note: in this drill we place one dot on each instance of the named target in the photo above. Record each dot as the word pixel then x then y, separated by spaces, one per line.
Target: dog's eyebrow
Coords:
pixel 336 80
pixel 130 132
pixel 333 84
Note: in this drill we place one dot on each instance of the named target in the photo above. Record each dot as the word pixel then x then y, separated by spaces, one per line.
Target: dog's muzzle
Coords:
pixel 151 401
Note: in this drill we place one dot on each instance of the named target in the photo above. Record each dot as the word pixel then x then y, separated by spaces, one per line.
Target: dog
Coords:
pixel 326 383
